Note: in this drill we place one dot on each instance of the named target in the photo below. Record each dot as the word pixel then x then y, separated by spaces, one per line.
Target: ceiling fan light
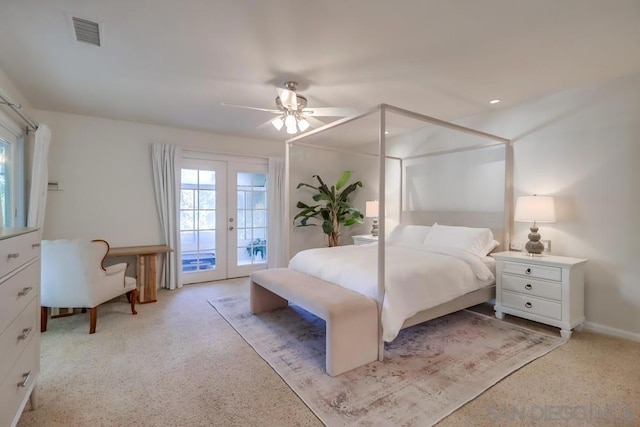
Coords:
pixel 303 124
pixel 291 130
pixel 277 123
pixel 290 121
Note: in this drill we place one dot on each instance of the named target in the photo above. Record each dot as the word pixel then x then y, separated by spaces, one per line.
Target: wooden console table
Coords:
pixel 145 268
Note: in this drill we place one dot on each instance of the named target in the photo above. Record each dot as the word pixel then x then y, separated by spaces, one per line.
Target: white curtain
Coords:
pixel 275 244
pixel 166 181
pixel 39 178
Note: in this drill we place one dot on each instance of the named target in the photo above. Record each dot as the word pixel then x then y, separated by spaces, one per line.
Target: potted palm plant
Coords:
pixel 333 207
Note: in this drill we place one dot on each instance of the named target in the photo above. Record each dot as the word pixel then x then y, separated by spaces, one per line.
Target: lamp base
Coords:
pixel 534 246
pixel 374 227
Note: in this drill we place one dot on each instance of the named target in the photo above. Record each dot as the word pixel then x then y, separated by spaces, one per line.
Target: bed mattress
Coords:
pixel 417 277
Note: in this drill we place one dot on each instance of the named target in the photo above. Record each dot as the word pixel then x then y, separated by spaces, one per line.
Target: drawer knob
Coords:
pixel 527 271
pixel 528 305
pixel 27 377
pixel 25 291
pixel 528 286
pixel 25 334
pixel 13 255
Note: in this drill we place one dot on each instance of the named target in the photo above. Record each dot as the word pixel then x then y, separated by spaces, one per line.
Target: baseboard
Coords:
pixel 607 330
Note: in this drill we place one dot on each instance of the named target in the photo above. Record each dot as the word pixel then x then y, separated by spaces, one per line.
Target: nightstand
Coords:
pixel 364 239
pixel 547 289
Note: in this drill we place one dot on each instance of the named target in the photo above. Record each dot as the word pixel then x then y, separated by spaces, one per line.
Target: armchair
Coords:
pixel 73 275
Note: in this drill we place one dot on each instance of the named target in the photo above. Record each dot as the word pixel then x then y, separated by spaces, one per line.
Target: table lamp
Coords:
pixel 371 211
pixel 535 209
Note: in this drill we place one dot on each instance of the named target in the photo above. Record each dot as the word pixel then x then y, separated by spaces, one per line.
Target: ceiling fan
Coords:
pixel 293 113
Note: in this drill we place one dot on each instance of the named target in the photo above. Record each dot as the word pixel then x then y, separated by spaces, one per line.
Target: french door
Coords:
pixel 223 219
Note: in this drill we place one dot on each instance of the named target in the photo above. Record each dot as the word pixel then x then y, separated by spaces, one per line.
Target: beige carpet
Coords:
pixel 429 371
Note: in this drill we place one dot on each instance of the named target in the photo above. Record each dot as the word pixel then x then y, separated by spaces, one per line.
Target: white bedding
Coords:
pixel 417 277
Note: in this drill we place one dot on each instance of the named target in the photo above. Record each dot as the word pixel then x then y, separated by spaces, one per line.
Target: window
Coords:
pixel 12 193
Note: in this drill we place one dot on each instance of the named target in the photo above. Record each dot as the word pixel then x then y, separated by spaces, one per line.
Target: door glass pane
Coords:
pixel 207 199
pixel 252 218
pixel 198 219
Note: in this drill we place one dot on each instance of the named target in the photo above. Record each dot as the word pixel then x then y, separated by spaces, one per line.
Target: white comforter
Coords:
pixel 417 277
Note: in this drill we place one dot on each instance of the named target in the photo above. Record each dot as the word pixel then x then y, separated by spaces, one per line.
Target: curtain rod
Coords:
pixel 6 100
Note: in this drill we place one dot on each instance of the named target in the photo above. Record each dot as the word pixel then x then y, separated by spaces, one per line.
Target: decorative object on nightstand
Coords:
pixel 548 290
pixel 535 209
pixel 371 211
pixel 364 239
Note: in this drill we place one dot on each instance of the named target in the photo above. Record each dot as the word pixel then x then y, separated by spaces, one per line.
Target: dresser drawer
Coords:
pixel 17 291
pixel 17 336
pixel 533 305
pixel 528 286
pixel 18 251
pixel 20 379
pixel 532 270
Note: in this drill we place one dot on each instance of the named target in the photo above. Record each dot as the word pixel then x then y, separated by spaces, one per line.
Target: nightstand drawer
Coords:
pixel 532 305
pixel 532 270
pixel 527 286
pixel 364 239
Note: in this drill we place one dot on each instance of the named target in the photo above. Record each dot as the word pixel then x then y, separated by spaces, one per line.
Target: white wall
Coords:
pixel 471 181
pixel 104 169
pixel 583 147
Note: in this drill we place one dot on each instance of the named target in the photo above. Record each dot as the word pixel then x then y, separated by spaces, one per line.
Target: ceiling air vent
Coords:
pixel 86 31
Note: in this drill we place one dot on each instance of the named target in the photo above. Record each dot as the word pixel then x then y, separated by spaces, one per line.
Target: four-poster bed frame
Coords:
pixel 498 222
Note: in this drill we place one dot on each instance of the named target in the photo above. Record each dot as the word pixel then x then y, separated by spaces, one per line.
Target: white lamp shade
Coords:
pixel 290 121
pixel 277 123
pixel 303 124
pixel 371 210
pixel 535 208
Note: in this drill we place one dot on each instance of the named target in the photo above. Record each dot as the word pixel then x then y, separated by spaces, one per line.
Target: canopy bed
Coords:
pixel 434 263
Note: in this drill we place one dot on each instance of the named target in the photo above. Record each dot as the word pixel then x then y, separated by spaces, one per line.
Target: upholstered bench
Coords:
pixel 351 318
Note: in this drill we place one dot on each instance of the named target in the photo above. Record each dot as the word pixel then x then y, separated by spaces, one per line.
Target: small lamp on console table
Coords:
pixel 535 209
pixel 371 211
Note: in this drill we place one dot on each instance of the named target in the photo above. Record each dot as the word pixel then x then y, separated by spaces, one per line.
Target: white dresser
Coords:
pixel 19 320
pixel 547 289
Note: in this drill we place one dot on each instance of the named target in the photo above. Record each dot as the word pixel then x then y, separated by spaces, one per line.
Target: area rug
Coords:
pixel 428 372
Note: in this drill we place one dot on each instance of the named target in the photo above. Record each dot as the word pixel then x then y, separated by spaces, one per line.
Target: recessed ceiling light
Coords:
pixel 386 132
pixel 494 101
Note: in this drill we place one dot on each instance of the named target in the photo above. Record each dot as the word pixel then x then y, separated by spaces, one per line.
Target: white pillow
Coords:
pixel 406 233
pixel 478 241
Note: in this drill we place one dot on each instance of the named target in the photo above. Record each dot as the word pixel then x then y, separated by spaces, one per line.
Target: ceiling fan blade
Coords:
pixel 329 111
pixel 251 108
pixel 313 122
pixel 266 124
pixel 288 98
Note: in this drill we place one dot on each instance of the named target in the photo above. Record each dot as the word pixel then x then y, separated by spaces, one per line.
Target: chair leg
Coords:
pixel 44 315
pixel 133 296
pixel 93 313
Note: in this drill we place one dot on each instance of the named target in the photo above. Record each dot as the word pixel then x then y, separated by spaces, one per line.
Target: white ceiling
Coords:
pixel 173 62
